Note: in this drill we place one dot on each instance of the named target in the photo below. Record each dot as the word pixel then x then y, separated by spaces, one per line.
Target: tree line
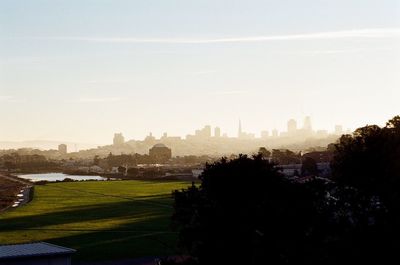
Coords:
pixel 245 211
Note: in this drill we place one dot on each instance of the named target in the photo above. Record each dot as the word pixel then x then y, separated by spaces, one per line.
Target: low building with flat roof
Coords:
pixel 40 253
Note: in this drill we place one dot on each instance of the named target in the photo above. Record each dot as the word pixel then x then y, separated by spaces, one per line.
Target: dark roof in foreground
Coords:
pixel 32 250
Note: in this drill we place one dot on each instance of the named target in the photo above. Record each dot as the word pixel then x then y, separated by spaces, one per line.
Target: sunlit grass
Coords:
pixel 102 220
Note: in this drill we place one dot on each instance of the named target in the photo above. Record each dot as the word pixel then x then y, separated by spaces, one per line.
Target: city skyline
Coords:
pixel 206 140
pixel 217 131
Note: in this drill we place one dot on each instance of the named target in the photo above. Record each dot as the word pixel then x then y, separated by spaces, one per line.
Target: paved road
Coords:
pixel 15 179
pixel 27 186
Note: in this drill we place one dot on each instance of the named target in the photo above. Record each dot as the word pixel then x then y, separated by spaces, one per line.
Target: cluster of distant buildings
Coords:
pixel 159 152
pixel 307 131
pixel 206 133
pixel 212 142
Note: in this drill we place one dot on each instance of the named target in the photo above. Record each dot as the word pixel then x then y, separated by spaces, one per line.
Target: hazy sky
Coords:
pixel 80 70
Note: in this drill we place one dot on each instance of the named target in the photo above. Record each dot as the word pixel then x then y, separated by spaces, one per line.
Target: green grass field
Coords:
pixel 102 220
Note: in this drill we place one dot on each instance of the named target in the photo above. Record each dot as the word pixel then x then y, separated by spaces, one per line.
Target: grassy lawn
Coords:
pixel 102 220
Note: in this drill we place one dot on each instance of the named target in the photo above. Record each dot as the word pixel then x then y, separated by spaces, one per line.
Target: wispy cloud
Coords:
pixel 337 51
pixel 231 92
pixel 11 99
pixel 344 34
pixel 205 72
pixel 107 81
pixel 97 100
pixel 5 98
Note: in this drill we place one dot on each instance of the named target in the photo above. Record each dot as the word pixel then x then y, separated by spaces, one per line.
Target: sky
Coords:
pixel 80 70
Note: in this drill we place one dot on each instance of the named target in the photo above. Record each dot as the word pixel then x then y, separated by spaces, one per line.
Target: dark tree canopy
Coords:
pixel 285 156
pixel 264 152
pixel 246 212
pixel 309 167
pixel 369 160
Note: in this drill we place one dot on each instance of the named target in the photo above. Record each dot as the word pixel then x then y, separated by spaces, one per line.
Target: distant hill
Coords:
pixel 45 145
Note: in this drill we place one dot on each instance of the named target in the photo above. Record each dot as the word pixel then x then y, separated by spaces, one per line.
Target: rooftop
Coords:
pixel 32 250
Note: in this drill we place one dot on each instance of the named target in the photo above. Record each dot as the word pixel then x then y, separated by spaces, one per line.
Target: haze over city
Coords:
pixel 79 71
pixel 199 132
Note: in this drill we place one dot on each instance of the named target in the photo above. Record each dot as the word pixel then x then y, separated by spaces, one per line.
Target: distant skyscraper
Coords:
pixel 338 129
pixel 217 132
pixel 264 134
pixel 307 124
pixel 240 133
pixel 150 138
pixel 118 139
pixel 274 133
pixel 207 131
pixel 203 133
pixel 322 133
pixel 62 149
pixel 291 126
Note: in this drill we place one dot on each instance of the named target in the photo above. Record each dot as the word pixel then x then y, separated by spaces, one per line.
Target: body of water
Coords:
pixel 57 176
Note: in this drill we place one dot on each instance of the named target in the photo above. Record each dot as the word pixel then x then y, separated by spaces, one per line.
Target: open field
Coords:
pixel 102 220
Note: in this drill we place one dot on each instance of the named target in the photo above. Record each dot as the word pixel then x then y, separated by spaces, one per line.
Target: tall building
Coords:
pixel 207 131
pixel 322 133
pixel 203 133
pixel 149 139
pixel 118 139
pixel 291 126
pixel 62 149
pixel 307 124
pixel 274 133
pixel 217 132
pixel 240 132
pixel 244 135
pixel 338 129
pixel 264 134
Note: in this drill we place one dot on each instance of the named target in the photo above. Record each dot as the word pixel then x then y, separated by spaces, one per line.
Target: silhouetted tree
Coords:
pixel 133 172
pixel 309 167
pixel 96 160
pixel 121 169
pixel 285 157
pixel 264 152
pixel 368 162
pixel 246 212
